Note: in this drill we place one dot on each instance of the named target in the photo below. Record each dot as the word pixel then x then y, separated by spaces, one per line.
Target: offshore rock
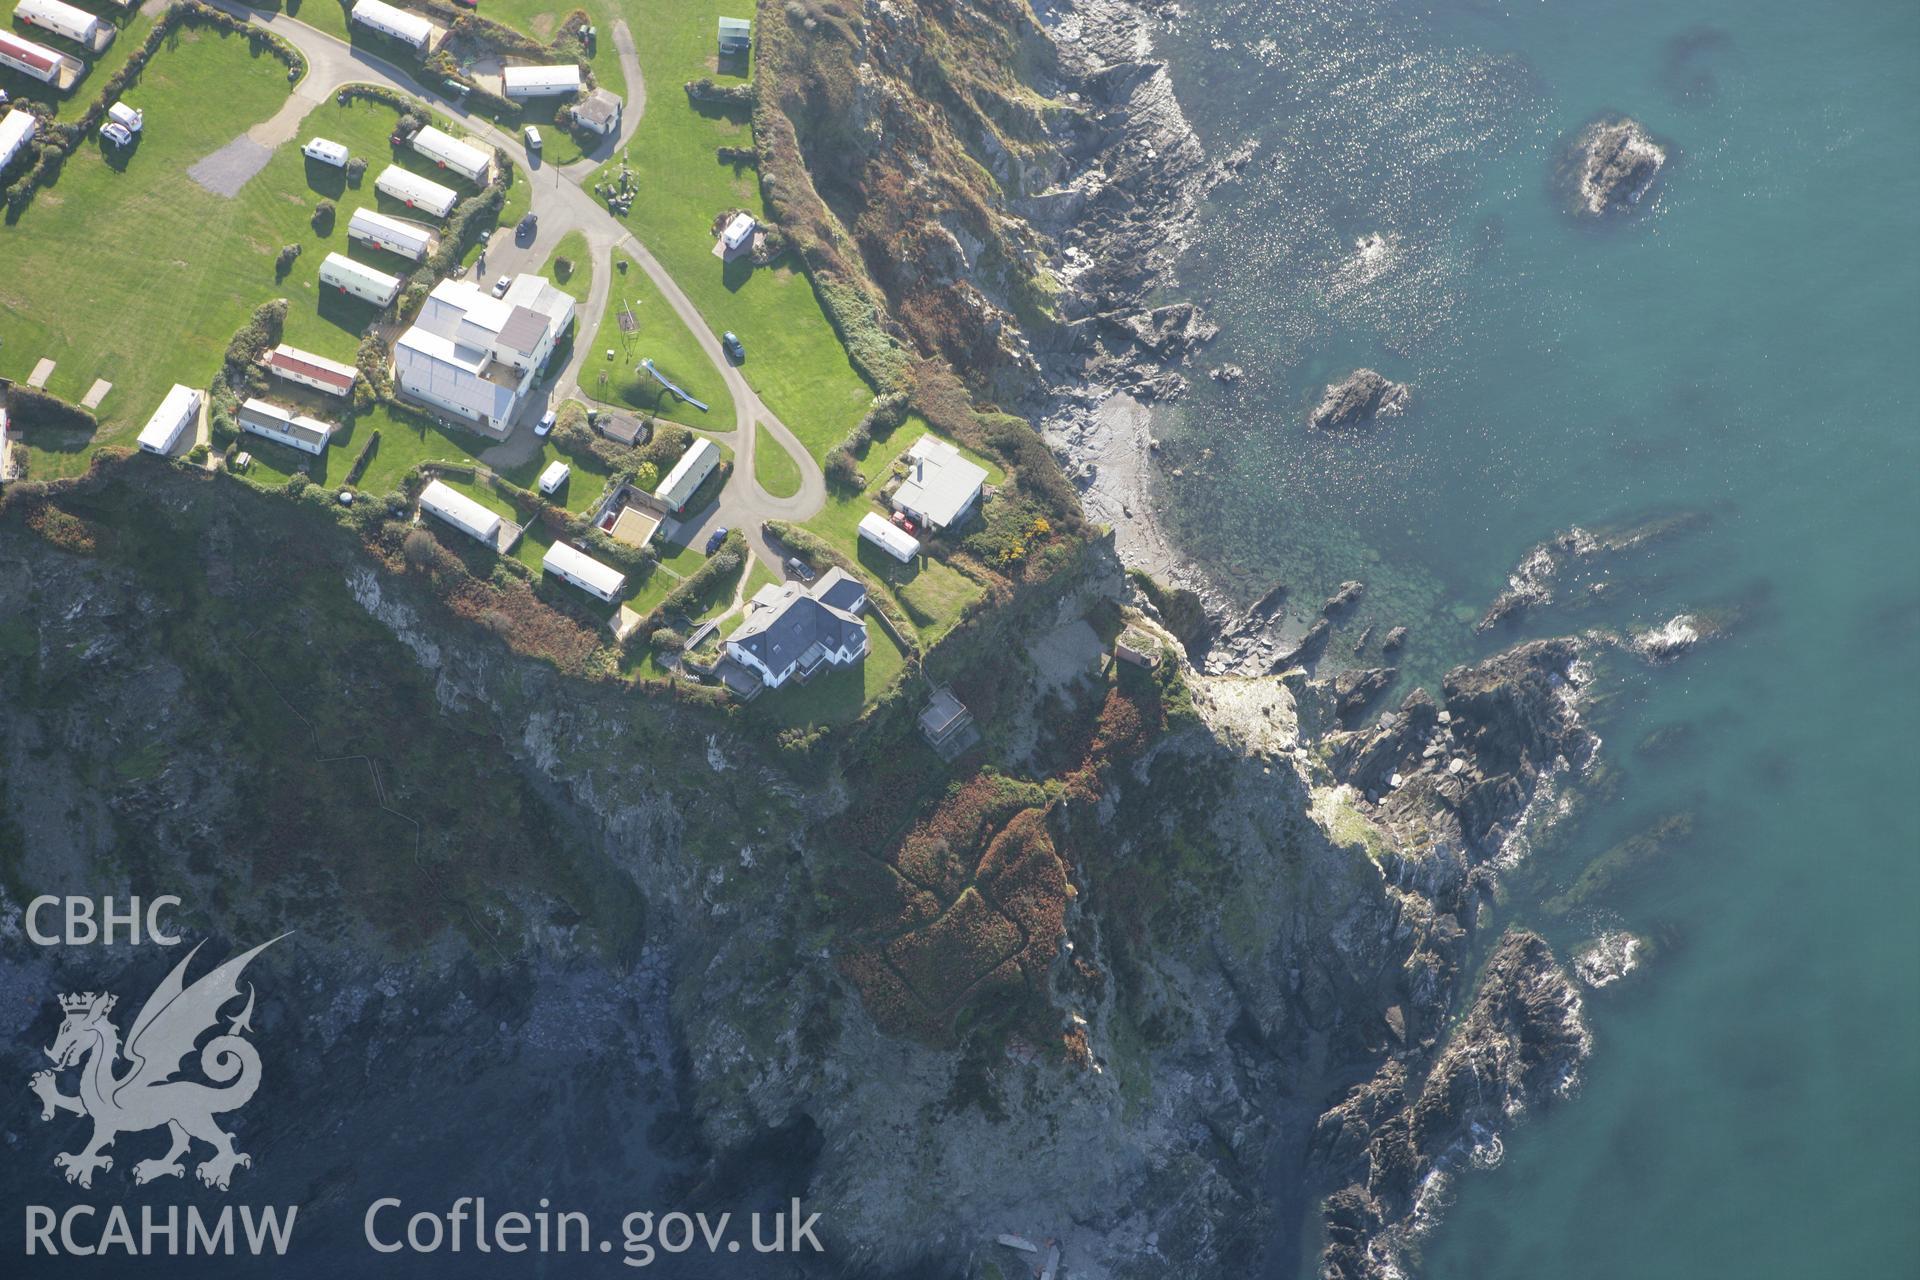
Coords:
pixel 1361 397
pixel 1612 165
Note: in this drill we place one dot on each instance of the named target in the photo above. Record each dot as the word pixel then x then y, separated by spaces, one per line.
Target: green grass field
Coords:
pixel 774 467
pixel 579 281
pixel 664 339
pixel 794 358
pixel 140 276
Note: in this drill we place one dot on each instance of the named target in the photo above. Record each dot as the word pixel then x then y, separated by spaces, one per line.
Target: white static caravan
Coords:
pixel 263 418
pixel 409 28
pixel 63 19
pixel 554 476
pixel 889 537
pixel 16 131
pixel 358 280
pixel 695 465
pixel 470 162
pixel 310 370
pixel 541 82
pixel 422 195
pixel 170 421
pixel 35 60
pixel 326 151
pixel 410 240
pixel 132 119
pixel 602 581
pixel 460 511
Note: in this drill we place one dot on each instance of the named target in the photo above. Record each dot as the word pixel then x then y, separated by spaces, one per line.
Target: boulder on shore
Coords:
pixel 1363 396
pixel 1612 164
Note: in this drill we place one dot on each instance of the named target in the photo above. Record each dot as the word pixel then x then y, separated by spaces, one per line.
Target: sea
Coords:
pixel 1737 358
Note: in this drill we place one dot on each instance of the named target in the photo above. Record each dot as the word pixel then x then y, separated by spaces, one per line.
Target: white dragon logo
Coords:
pixel 147 1096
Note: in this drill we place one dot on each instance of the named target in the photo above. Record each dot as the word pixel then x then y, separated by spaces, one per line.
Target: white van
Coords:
pixel 533 138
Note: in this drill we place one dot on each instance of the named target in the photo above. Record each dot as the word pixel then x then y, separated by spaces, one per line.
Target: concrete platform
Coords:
pixel 96 393
pixel 41 372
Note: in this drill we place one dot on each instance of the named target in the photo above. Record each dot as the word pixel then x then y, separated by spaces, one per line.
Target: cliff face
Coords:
pixel 1263 915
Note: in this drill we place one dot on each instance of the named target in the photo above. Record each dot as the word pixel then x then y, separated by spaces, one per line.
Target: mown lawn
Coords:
pixel 662 338
pixel 774 467
pixel 836 696
pixel 128 270
pixel 794 358
pixel 579 279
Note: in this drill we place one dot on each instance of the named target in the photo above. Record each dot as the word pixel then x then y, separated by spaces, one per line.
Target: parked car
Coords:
pixel 501 286
pixel 731 342
pixel 798 568
pixel 116 134
pixel 715 538
pixel 532 135
pixel 546 423
pixel 528 223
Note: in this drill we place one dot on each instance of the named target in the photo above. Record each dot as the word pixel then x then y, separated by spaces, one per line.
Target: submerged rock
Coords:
pixel 1363 396
pixel 1612 164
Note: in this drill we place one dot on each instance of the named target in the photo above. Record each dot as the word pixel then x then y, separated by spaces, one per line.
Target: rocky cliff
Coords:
pixel 1261 915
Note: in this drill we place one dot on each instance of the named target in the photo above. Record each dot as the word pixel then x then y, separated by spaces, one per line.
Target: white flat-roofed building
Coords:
pixel 416 192
pixel 376 15
pixel 272 421
pixel 310 370
pixel 602 581
pixel 890 538
pixel 541 82
pixel 554 476
pixel 475 355
pixel 178 410
pixel 460 511
pixel 326 151
pixel 63 19
pixel 470 162
pixel 35 60
pixel 411 240
pixel 695 465
pixel 17 129
pixel 941 486
pixel 341 273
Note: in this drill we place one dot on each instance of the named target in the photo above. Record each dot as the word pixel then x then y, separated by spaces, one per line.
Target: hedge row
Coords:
pixel 365 456
pixel 32 407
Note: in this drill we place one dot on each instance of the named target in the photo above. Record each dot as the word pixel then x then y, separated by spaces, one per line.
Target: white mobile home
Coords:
pixel 410 240
pixel 695 465
pixel 409 28
pixel 326 151
pixel 554 476
pixel 63 19
pixel 359 280
pixel 37 60
pixel 417 193
pixel 602 581
pixel 310 370
pixel 178 411
pixel 890 538
pixel 132 119
pixel 460 511
pixel 470 162
pixel 262 418
pixel 541 82
pixel 16 131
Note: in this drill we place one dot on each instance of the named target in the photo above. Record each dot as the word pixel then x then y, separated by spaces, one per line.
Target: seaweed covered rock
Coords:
pixel 1361 396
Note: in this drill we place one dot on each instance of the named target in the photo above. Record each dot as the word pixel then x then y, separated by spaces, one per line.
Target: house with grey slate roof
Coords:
pixel 792 631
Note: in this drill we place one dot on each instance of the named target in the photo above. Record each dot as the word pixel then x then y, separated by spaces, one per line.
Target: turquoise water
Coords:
pixel 1743 349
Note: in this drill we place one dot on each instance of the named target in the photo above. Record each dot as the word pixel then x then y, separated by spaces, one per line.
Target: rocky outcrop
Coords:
pixel 1611 165
pixel 1361 396
pixel 1398 1138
